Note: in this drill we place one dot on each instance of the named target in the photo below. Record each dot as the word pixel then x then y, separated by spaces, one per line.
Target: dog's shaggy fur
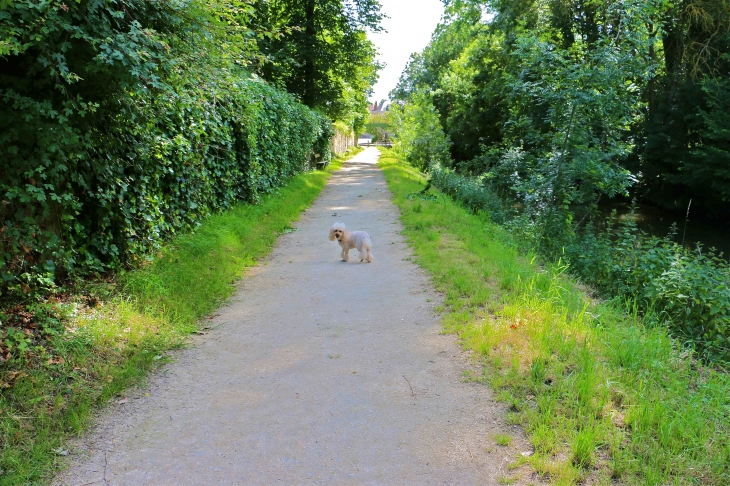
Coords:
pixel 349 240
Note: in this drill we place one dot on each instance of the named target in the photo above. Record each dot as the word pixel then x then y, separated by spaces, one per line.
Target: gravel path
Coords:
pixel 316 372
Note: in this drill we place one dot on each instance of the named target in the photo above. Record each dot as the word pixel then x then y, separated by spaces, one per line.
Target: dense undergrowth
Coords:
pixel 86 345
pixel 687 290
pixel 604 394
pixel 554 107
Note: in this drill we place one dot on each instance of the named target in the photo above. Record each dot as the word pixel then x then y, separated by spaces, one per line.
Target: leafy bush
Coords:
pixel 323 133
pixel 421 140
pixel 688 289
pixel 474 193
pixel 121 126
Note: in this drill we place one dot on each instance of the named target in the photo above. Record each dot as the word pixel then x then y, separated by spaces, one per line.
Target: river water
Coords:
pixel 695 229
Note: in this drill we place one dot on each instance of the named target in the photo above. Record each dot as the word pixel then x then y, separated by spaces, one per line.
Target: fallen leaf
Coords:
pixel 15 375
pixel 56 360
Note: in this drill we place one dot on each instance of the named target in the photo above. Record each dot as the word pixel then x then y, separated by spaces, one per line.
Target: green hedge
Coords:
pixel 118 133
pixel 165 162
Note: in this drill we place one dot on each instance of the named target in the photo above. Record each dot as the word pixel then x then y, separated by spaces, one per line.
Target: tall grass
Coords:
pixel 118 329
pixel 687 290
pixel 602 394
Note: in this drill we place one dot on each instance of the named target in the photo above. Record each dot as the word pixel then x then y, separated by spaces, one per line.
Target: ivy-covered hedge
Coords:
pixel 165 162
pixel 119 127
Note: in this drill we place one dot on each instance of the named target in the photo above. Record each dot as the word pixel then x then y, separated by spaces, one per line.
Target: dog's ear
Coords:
pixel 332 233
pixel 345 235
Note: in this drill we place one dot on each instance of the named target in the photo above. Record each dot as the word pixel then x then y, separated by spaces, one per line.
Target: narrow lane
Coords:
pixel 317 372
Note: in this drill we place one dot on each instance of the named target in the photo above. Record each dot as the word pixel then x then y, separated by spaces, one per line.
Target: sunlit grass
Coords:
pixel 141 316
pixel 503 440
pixel 601 393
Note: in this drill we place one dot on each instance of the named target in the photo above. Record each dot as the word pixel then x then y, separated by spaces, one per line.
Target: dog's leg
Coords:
pixel 345 255
pixel 365 254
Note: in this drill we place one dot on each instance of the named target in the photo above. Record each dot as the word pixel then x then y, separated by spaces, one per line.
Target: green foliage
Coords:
pixel 551 114
pixel 321 143
pixel 323 57
pixel 379 126
pixel 556 104
pixel 421 140
pixel 475 193
pixel 602 95
pixel 688 290
pixel 380 119
pixel 683 155
pixel 460 68
pixel 571 110
pixel 134 128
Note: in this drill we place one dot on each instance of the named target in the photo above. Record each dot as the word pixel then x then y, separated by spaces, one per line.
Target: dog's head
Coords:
pixel 338 232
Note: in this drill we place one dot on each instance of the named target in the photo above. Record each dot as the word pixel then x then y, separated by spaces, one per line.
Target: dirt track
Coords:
pixel 316 372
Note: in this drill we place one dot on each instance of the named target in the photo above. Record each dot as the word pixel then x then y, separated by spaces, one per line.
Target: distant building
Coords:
pixel 379 109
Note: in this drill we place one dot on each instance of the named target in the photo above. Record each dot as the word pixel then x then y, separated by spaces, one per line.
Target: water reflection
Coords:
pixel 658 222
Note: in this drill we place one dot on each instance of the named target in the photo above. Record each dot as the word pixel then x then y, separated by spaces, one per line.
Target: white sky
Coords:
pixel 408 30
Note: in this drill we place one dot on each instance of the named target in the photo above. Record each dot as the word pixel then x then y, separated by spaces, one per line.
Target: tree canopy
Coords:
pixel 323 56
pixel 566 100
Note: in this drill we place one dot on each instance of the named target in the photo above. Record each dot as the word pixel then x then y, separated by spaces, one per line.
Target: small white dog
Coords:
pixel 347 240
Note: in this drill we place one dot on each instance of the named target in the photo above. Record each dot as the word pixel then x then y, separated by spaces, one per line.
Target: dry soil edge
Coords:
pixel 316 372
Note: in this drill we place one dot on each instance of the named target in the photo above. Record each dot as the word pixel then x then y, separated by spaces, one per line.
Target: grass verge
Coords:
pixel 602 396
pixel 106 335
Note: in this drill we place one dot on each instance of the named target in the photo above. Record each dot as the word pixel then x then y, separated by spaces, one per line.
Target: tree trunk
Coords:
pixel 651 87
pixel 309 88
